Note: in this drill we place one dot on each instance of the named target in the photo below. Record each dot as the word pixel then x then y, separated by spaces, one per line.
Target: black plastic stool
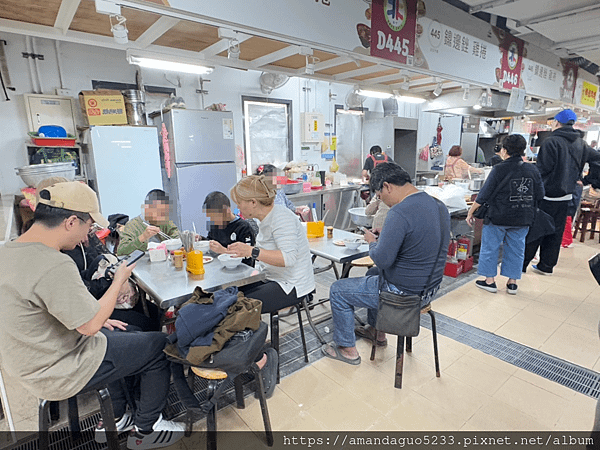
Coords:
pixel 106 410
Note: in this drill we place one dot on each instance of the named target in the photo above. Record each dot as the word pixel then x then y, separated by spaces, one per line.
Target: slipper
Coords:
pixel 368 333
pixel 269 372
pixel 338 355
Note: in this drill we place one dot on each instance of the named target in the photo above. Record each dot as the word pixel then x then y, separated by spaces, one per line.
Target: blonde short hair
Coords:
pixel 254 187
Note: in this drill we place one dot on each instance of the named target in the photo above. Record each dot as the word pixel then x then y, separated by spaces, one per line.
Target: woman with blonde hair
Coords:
pixel 281 246
pixel 456 167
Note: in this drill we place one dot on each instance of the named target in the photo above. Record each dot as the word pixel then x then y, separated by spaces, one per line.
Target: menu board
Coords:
pixel 589 93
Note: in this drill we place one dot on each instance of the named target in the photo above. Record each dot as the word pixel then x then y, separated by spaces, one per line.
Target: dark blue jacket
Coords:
pixel 521 189
pixel 196 322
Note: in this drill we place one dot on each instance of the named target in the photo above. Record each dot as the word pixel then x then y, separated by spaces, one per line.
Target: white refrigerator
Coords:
pixel 199 149
pixel 122 166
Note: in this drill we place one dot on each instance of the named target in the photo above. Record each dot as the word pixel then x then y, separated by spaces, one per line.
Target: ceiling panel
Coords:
pixel 41 12
pixel 378 74
pixel 88 20
pixel 570 27
pixel 255 47
pixel 345 68
pixel 190 36
pixel 299 61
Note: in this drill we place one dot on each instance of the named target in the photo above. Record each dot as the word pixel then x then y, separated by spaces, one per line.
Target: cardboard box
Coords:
pixel 453 269
pixel 103 107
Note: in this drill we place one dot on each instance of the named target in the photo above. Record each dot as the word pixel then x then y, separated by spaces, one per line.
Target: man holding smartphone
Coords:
pixel 405 253
pixel 49 329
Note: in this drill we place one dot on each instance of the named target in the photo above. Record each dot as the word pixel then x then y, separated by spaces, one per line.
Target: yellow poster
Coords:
pixel 588 94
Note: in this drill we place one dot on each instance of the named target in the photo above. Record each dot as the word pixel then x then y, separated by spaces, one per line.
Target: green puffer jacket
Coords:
pixel 129 237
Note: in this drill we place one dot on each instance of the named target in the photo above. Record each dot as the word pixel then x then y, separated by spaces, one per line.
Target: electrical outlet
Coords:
pixel 64 92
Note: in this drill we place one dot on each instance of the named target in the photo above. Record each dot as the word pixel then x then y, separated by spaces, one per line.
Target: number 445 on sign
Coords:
pixel 384 42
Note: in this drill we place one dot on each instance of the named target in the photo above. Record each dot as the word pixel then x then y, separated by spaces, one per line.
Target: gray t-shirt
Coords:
pixel 43 302
pixel 409 243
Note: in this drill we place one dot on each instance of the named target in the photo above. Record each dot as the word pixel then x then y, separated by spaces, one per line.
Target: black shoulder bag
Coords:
pixel 482 211
pixel 400 314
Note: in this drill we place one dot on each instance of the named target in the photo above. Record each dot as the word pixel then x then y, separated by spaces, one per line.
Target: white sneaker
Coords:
pixel 124 424
pixel 165 433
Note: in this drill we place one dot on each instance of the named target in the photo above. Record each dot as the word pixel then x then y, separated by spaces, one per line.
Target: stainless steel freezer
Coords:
pixel 202 160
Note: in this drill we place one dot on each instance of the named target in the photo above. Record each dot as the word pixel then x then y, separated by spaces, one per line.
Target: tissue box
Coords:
pixel 157 252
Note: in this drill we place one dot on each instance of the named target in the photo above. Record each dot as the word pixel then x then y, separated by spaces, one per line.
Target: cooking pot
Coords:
pixel 476 184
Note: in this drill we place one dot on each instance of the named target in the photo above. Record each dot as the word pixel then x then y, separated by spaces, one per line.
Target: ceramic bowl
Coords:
pixel 172 244
pixel 203 246
pixel 352 244
pixel 229 261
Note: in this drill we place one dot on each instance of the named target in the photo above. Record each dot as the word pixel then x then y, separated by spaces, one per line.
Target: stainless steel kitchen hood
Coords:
pixel 477 105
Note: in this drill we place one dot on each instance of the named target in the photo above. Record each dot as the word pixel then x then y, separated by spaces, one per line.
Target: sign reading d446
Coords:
pixel 393 24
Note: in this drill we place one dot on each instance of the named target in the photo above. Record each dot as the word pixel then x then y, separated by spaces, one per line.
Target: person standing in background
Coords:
pixel 456 167
pixel 560 161
pixel 376 156
pixel 497 158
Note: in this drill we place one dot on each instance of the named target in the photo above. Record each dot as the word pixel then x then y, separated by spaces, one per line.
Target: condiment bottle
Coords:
pixel 178 259
pixel 195 262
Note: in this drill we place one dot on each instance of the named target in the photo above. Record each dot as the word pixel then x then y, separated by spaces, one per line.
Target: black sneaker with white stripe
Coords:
pixel 488 287
pixel 165 433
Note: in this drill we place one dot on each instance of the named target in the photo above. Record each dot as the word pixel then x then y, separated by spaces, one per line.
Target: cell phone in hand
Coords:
pixel 363 229
pixel 129 260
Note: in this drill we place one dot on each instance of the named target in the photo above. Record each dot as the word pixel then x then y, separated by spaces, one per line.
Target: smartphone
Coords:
pixel 363 229
pixel 130 259
pixel 134 256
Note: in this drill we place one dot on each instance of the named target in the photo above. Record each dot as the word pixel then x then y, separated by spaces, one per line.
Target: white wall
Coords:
pixel 82 64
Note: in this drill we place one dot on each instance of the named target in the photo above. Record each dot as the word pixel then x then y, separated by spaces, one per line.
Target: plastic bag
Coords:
pixel 452 196
pixel 424 153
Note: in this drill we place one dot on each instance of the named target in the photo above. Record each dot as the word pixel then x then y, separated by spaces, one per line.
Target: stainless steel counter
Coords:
pixel 335 201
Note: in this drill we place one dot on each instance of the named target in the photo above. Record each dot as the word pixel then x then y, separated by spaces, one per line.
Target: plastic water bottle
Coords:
pixel 315 218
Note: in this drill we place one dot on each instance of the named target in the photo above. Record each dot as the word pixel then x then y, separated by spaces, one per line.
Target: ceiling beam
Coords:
pixel 359 72
pixel 222 45
pixel 65 15
pixel 334 62
pixel 489 5
pixel 156 30
pixel 555 16
pixel 576 43
pixel 277 56
pixel 383 79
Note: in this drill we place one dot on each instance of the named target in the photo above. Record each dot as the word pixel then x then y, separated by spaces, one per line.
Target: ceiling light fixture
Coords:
pixel 438 89
pixel 466 92
pixel 405 86
pixel 311 62
pixel 374 94
pixel 488 93
pixel 119 29
pixel 164 62
pixel 233 51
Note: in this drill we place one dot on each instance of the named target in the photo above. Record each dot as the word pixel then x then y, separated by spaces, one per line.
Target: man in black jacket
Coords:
pixel 560 161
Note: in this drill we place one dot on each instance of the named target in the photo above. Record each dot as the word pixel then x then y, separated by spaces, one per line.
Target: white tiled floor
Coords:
pixel 476 392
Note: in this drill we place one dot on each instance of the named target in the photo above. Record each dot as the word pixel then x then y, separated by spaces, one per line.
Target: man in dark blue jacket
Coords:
pixel 560 161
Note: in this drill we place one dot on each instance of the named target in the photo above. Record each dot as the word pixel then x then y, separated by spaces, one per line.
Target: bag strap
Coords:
pixel 442 208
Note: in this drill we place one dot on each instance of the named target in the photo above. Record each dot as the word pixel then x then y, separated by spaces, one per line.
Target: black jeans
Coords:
pixel 549 245
pixel 139 355
pixel 271 295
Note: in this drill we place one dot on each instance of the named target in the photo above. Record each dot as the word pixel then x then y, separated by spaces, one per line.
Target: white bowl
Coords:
pixel 229 261
pixel 353 243
pixel 203 246
pixel 173 244
pixel 359 217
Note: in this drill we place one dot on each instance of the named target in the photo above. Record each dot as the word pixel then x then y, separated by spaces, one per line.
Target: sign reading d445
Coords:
pixel 393 26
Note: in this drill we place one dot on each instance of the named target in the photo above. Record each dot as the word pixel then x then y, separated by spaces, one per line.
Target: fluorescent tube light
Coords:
pixel 374 94
pixel 170 65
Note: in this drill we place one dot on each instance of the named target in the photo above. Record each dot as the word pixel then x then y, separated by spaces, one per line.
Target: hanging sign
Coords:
pixel 393 26
pixel 589 92
pixel 512 49
pixel 567 91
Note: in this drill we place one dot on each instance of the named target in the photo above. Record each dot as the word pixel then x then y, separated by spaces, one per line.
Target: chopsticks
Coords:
pixel 161 234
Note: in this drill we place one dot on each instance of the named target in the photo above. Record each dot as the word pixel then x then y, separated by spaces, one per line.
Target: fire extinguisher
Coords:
pixel 452 247
pixel 463 248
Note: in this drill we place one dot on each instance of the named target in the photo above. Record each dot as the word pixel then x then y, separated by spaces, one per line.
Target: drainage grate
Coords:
pixel 580 379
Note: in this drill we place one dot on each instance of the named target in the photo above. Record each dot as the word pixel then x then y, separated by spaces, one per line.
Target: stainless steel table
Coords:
pixel 325 248
pixel 168 286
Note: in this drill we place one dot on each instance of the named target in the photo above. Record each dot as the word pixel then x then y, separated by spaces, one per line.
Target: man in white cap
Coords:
pixel 50 323
pixel 560 161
